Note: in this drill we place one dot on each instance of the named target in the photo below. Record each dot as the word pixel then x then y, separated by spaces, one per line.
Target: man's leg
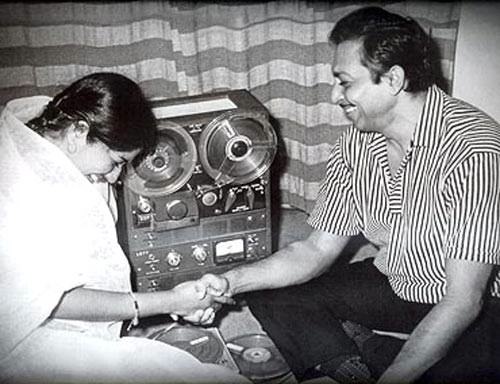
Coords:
pixel 475 358
pixel 360 294
pixel 304 321
pixel 301 327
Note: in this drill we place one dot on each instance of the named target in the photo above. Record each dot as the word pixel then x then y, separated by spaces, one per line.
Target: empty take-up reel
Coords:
pixel 237 147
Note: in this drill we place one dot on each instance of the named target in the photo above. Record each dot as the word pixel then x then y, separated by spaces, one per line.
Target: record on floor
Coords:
pixel 201 343
pixel 257 357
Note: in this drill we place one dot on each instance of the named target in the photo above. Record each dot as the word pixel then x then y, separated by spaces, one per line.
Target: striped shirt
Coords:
pixel 443 202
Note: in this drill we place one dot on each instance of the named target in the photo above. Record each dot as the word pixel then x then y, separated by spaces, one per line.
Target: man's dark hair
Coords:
pixel 388 39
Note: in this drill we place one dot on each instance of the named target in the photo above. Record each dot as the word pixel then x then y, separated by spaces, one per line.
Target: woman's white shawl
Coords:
pixel 56 232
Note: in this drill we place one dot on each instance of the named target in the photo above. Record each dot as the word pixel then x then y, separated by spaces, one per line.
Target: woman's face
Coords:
pixel 98 162
pixel 94 159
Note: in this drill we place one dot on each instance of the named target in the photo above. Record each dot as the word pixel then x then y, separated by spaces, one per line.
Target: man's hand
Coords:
pixel 431 340
pixel 216 286
pixel 195 300
pixel 189 297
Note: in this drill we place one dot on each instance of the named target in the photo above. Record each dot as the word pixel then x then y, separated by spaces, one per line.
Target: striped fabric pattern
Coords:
pixel 443 203
pixel 276 49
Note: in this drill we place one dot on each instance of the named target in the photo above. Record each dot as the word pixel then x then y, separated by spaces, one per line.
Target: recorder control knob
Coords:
pixel 230 199
pixel 250 198
pixel 173 258
pixel 177 209
pixel 208 199
pixel 144 205
pixel 199 254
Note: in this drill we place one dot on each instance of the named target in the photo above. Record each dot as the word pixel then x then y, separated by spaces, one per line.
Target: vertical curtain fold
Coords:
pixel 277 50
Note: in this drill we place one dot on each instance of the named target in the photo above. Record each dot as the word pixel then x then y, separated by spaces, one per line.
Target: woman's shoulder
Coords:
pixel 26 108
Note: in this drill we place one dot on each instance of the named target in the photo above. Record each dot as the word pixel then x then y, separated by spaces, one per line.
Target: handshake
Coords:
pixel 197 301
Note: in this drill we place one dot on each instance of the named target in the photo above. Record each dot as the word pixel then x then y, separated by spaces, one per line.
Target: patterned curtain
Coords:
pixel 278 50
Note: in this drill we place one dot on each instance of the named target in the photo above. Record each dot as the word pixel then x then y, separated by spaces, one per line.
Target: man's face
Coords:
pixel 366 104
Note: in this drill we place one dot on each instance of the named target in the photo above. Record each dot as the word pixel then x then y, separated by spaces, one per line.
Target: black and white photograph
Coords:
pixel 250 192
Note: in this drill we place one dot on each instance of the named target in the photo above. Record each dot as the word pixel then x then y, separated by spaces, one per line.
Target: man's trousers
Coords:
pixel 305 322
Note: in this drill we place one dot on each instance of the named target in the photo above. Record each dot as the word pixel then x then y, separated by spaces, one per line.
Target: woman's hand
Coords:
pixel 188 297
pixel 195 300
pixel 202 317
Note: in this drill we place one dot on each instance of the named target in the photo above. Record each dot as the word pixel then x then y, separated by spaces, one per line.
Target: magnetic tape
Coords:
pixel 201 201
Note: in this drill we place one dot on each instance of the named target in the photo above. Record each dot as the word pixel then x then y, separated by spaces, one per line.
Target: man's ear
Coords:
pixel 395 78
pixel 76 135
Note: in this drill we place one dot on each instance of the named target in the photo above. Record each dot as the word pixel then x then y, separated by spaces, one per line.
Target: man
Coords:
pixel 418 176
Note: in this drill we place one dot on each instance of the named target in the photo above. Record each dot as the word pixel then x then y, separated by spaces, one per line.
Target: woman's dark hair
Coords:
pixel 114 107
pixel 389 39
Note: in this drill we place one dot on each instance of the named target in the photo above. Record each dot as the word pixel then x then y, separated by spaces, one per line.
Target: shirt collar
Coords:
pixel 428 128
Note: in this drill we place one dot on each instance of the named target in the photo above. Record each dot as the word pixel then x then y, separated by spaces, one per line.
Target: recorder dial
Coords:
pixel 199 254
pixel 177 209
pixel 173 258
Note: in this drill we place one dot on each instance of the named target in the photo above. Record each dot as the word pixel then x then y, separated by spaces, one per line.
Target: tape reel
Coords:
pixel 169 167
pixel 237 147
pixel 257 357
pixel 234 148
pixel 197 341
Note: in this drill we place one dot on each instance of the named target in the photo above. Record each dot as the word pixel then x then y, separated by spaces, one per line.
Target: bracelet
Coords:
pixel 135 320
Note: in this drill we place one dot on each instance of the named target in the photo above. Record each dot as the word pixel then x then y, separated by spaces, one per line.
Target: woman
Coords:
pixel 64 279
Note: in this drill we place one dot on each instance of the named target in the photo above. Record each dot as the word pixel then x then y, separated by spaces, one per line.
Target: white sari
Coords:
pixel 56 234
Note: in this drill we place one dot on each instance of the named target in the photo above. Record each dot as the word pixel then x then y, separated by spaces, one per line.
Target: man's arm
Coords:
pixel 294 264
pixel 444 324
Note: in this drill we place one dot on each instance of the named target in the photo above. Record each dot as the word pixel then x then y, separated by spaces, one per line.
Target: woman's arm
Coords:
pixel 98 305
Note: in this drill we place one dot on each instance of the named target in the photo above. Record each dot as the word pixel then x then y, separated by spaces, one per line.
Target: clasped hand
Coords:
pixel 200 299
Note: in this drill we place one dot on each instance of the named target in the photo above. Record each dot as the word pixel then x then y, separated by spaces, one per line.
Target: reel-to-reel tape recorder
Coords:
pixel 201 202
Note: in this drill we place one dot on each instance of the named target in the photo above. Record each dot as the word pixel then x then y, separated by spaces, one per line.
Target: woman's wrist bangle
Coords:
pixel 135 320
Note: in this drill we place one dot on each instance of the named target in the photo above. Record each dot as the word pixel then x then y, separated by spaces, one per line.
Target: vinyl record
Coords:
pixel 168 168
pixel 257 357
pixel 237 147
pixel 200 343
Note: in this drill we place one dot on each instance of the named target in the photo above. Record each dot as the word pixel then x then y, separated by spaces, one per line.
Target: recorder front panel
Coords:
pixel 202 201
